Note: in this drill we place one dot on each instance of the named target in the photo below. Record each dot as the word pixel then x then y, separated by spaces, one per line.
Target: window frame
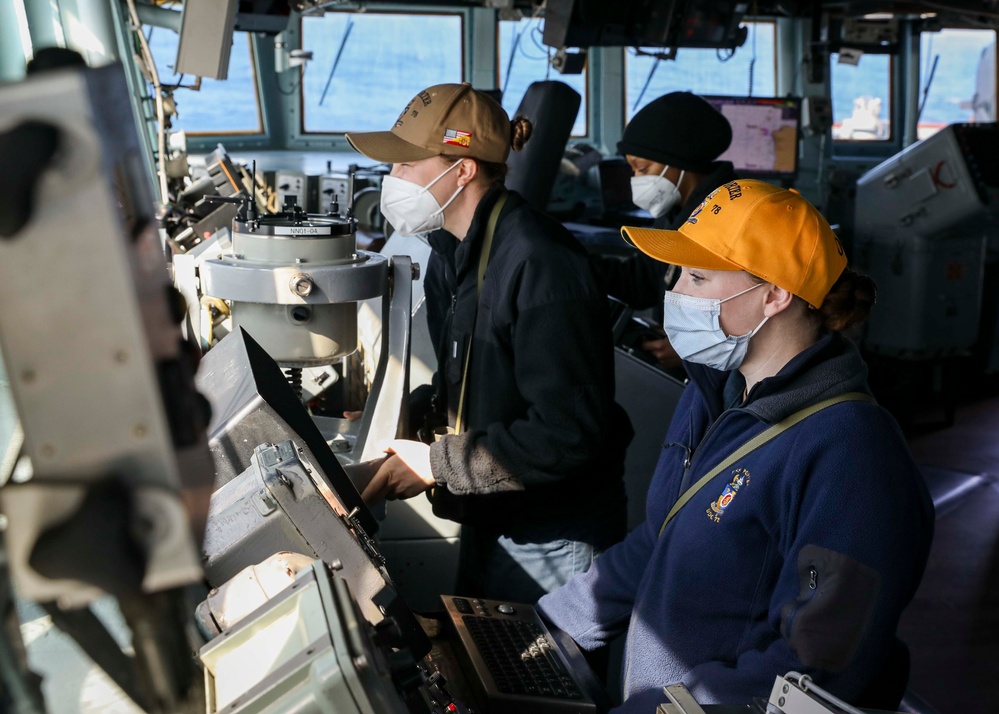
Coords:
pixel 995 68
pixel 776 69
pixel 261 126
pixel 587 78
pixel 849 145
pixel 306 135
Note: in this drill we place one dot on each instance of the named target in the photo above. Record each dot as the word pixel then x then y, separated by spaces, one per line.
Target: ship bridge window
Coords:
pixel 8 422
pixel 522 59
pixel 861 97
pixel 229 106
pixel 957 78
pixel 748 71
pixel 367 66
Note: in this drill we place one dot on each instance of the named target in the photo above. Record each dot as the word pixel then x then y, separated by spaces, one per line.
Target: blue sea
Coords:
pixel 384 59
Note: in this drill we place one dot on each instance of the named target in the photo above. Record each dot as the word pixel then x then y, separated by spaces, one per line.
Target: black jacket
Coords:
pixel 542 439
pixel 641 281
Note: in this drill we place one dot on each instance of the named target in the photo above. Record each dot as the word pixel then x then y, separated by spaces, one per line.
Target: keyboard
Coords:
pixel 513 661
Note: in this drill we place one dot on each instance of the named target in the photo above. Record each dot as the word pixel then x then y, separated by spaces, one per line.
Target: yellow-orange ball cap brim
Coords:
pixel 770 232
pixel 676 248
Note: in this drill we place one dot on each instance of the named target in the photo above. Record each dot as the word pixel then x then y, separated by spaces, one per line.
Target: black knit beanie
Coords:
pixel 677 129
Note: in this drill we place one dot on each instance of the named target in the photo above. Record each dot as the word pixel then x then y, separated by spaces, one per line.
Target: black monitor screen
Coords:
pixel 765 133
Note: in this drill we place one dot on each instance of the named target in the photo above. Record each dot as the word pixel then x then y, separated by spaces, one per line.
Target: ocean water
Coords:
pixel 387 58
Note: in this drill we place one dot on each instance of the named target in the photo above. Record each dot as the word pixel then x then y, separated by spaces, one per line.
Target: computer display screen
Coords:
pixel 765 132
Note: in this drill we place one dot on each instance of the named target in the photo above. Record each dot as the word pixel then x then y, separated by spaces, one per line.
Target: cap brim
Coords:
pixel 661 156
pixel 386 147
pixel 676 248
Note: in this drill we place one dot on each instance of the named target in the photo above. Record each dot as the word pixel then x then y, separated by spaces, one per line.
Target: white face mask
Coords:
pixel 656 194
pixel 694 330
pixel 411 208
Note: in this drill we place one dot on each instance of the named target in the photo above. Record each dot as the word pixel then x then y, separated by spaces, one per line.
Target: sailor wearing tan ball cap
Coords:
pixel 531 449
pixel 783 491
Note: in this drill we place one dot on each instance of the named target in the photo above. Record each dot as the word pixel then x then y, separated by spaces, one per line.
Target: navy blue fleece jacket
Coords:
pixel 800 556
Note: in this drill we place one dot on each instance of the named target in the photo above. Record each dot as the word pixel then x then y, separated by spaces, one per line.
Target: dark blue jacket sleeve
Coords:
pixel 594 607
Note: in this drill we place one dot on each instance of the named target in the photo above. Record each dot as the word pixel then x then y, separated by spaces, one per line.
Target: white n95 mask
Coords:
pixel 656 194
pixel 411 208
pixel 694 330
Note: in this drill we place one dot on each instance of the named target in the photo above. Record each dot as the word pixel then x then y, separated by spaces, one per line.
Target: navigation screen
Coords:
pixel 764 135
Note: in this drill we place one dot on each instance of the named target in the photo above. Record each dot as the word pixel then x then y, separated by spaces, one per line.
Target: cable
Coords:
pixel 208 302
pixel 513 52
pixel 806 684
pixel 154 75
pixel 295 86
pixel 926 89
pixel 648 80
pixel 534 32
pixel 336 60
pixel 537 37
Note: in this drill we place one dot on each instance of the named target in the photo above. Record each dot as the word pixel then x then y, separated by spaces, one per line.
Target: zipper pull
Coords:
pixel 686 462
pixel 813 578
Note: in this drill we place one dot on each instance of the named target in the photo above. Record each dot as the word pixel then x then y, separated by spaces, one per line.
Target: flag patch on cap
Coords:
pixel 458 138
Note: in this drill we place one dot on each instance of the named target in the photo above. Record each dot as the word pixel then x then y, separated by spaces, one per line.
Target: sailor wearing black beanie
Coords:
pixel 672 145
pixel 678 129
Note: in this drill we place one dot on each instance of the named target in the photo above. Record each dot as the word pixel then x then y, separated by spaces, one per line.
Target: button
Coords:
pixel 505 608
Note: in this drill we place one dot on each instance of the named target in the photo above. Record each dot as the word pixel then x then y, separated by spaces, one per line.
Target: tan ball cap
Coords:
pixel 451 119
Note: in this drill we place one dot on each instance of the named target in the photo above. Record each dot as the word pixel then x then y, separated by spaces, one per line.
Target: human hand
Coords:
pixel 404 474
pixel 663 351
pixel 352 416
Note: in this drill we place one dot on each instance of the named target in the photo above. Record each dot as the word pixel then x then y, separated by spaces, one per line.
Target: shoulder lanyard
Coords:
pixel 487 244
pixel 764 437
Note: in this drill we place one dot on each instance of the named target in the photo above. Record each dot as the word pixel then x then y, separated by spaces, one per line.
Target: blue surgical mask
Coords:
pixel 694 330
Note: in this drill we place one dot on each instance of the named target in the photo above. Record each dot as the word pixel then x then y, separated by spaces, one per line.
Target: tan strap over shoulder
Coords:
pixel 764 437
pixel 487 246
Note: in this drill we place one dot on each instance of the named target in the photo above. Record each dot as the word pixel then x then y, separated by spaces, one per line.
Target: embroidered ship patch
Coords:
pixel 740 478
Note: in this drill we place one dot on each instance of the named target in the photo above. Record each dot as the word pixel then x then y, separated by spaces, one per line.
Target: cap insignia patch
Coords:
pixel 458 138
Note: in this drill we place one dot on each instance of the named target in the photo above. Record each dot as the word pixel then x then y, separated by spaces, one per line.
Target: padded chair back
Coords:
pixel 552 108
pixel 887 690
pixel 649 396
